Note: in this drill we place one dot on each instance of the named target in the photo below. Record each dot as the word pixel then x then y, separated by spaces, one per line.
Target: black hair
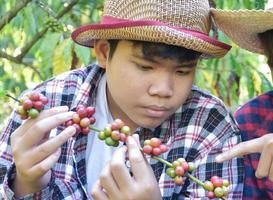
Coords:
pixel 267 43
pixel 161 50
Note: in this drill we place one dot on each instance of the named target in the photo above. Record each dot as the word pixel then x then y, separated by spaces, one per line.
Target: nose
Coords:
pixel 162 87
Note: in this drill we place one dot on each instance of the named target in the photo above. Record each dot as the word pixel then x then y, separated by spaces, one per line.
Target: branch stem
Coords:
pixel 8 95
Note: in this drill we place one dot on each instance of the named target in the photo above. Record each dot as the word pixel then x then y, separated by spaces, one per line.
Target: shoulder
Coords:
pixel 255 117
pixel 256 106
pixel 63 88
pixel 74 76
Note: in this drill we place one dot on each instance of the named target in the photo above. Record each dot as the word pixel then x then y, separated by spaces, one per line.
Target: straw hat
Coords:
pixel 174 22
pixel 242 26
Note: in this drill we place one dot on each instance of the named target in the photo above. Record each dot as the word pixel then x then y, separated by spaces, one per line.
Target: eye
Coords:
pixel 144 67
pixel 183 73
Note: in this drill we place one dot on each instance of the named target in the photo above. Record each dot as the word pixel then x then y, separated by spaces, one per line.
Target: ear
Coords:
pixel 102 48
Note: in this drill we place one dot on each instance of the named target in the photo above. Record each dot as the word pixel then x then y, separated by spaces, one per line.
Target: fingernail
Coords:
pixel 61 108
pixel 130 140
pixel 68 115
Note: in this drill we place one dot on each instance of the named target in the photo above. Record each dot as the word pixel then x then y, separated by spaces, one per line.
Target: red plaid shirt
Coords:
pixel 199 130
pixel 255 119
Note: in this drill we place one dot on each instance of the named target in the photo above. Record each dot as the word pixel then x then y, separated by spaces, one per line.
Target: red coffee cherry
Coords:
pixel 82 119
pixel 31 105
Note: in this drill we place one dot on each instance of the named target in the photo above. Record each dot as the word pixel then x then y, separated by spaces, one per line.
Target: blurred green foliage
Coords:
pixel 35 45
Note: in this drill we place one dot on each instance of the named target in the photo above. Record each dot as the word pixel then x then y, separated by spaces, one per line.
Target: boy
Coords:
pixel 147 53
pixel 255 117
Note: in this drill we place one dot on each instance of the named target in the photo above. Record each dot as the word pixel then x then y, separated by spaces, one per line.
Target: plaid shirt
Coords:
pixel 198 131
pixel 255 119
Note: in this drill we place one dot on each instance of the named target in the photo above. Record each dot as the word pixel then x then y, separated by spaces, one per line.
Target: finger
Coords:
pixel 37 132
pixel 119 170
pixel 44 166
pixel 50 146
pixel 264 163
pixel 97 192
pixel 137 161
pixel 44 114
pixel 271 172
pixel 136 137
pixel 243 148
pixel 108 183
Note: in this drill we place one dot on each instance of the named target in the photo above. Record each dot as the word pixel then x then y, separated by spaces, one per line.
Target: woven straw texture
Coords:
pixel 193 15
pixel 242 26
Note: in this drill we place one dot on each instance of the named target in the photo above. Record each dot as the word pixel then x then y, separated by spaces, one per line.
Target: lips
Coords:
pixel 156 111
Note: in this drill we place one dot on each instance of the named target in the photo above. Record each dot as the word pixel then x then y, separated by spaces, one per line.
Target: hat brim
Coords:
pixel 242 26
pixel 151 32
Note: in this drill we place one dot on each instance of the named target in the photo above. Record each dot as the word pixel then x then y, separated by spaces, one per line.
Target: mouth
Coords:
pixel 156 111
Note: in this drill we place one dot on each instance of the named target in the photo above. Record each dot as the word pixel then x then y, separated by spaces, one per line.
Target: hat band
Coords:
pixel 109 22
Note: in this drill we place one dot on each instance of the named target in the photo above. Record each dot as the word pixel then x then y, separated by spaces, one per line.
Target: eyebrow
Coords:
pixel 191 63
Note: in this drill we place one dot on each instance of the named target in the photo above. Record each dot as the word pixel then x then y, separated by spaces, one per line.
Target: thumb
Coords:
pixel 243 148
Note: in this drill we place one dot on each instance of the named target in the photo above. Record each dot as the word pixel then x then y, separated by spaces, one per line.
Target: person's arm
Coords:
pixel 263 145
pixel 33 153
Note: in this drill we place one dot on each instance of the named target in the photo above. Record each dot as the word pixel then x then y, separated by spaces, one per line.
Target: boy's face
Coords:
pixel 144 92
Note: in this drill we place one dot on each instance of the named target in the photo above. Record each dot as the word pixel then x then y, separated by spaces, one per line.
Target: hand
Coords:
pixel 263 145
pixel 34 154
pixel 116 183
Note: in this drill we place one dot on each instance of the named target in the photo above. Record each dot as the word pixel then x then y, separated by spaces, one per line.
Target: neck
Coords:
pixel 117 113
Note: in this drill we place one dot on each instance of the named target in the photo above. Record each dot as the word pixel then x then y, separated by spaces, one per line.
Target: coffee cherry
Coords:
pixel 179 180
pixel 210 195
pixel 178 170
pixel 110 142
pixel 218 192
pixel 82 112
pixel 225 190
pixel 84 122
pixel 31 105
pixel 102 135
pixel 225 183
pixel 147 149
pixel 171 172
pixel 38 105
pixel 156 145
pixel 82 119
pixel 216 181
pixel 35 96
pixel 191 167
pixel 85 130
pixel 28 104
pixel 156 151
pixel 114 133
pixel 32 113
pixel 90 111
pixel 208 186
pixel 76 118
pixel 216 187
pixel 155 142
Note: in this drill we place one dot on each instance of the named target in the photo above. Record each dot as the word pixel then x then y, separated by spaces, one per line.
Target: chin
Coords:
pixel 151 123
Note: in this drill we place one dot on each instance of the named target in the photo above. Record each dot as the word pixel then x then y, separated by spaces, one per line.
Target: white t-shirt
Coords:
pixel 97 152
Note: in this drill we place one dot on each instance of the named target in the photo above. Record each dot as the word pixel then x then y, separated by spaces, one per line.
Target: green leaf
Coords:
pixel 83 54
pixel 46 51
pixel 62 57
pixel 259 4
